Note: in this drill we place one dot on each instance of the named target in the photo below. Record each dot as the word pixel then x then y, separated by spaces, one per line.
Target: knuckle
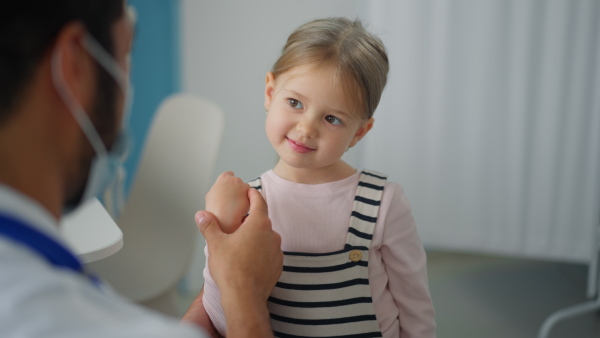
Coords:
pixel 278 242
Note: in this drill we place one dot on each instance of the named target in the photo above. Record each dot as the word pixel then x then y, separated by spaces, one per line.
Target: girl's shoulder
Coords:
pixel 393 192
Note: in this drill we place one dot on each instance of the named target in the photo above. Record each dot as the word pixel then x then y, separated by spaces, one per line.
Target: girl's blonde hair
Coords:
pixel 360 59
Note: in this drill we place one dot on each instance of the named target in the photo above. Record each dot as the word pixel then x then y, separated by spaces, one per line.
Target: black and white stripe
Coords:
pixel 328 294
pixel 365 208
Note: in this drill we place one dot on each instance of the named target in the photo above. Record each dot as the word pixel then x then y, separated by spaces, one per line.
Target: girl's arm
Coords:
pixel 245 266
pixel 197 315
pixel 406 264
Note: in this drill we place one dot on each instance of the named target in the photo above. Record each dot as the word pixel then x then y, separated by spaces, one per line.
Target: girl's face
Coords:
pixel 310 121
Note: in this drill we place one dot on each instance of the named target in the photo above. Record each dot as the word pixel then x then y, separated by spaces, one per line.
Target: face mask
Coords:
pixel 105 165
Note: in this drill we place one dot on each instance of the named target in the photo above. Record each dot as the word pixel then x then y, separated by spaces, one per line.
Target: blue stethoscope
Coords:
pixel 54 252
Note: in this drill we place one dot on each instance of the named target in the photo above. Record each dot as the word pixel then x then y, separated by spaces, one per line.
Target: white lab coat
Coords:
pixel 38 299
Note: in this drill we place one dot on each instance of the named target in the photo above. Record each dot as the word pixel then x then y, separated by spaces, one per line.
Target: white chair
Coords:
pixel 159 232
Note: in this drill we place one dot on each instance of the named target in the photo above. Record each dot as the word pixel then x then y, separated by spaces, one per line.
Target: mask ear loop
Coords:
pixel 75 107
pixel 109 64
pixel 106 60
pixel 114 195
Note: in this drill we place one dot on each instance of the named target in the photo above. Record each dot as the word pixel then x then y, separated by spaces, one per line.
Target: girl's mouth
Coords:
pixel 298 147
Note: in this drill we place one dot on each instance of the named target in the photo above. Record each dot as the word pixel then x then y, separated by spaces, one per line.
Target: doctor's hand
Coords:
pixel 245 265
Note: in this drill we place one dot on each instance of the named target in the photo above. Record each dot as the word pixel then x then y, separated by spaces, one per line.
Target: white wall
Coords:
pixel 227 49
pixel 490 121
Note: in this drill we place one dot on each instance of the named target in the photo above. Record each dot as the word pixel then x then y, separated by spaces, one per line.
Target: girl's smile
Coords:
pixel 299 147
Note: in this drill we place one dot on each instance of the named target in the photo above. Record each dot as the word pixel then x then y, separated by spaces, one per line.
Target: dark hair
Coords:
pixel 29 27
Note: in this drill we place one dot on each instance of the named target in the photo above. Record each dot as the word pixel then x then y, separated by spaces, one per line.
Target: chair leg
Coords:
pixel 579 309
pixel 569 312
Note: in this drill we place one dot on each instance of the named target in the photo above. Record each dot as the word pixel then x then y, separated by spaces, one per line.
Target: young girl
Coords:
pixel 354 265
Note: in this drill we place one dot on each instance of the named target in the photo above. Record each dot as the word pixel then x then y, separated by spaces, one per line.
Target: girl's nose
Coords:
pixel 307 126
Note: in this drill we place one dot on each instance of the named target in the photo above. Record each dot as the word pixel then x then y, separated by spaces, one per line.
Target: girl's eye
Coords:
pixel 333 120
pixel 295 103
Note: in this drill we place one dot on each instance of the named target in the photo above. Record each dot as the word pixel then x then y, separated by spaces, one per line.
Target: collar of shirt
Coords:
pixel 14 203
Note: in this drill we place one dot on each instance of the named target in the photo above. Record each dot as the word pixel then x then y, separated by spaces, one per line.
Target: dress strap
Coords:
pixel 365 209
pixel 256 184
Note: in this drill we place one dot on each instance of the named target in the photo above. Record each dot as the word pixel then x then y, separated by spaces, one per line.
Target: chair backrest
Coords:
pixel 175 172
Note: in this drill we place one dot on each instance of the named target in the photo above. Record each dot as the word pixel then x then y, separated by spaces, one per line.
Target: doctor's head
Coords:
pixel 29 31
pixel 61 56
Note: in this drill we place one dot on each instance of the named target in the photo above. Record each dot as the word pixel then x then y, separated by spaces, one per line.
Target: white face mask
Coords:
pixel 105 165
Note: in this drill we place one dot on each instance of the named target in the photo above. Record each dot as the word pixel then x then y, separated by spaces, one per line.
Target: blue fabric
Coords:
pixel 155 70
pixel 54 252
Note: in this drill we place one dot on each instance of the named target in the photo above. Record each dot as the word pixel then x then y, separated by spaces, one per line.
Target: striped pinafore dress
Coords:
pixel 328 294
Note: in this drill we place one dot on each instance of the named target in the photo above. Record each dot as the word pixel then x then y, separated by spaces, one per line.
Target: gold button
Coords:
pixel 355 255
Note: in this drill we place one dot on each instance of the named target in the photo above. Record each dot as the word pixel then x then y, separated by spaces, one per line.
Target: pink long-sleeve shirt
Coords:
pixel 315 219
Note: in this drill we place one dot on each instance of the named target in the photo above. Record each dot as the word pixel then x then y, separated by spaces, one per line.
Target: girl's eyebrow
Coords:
pixel 339 112
pixel 295 93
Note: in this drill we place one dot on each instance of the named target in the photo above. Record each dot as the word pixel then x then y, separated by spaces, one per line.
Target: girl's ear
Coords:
pixel 362 131
pixel 269 89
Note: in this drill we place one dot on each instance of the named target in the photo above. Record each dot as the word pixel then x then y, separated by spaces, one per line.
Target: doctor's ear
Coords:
pixel 75 65
pixel 269 89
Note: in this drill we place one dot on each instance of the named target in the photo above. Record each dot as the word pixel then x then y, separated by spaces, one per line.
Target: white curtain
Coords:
pixel 491 122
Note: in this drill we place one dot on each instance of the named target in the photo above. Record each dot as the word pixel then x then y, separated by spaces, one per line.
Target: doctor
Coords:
pixel 63 85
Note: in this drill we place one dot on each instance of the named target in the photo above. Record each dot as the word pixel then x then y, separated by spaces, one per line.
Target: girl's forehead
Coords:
pixel 326 77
